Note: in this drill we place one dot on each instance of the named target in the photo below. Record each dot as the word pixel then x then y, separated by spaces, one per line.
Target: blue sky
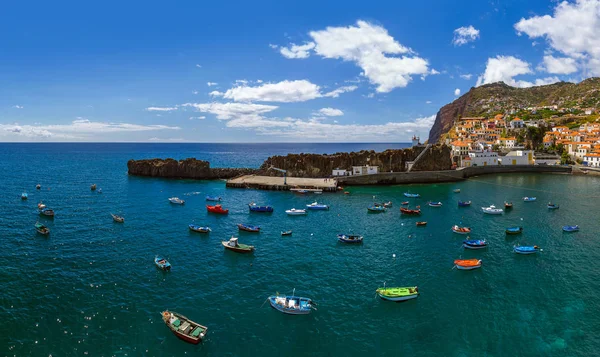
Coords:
pixel 229 72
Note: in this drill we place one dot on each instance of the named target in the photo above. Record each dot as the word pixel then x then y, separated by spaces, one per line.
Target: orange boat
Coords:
pixel 467 264
pixel 217 209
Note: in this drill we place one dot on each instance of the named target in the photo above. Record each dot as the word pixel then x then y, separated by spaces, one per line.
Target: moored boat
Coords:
pixel 233 245
pixel 292 305
pixel 421 224
pixel 176 201
pixel 213 198
pixel 467 264
pixel 41 206
pixel 199 229
pixel 38 186
pixel 286 233
pixel 93 187
pixel 350 238
pixel 474 244
pixel 216 209
pixel 184 328
pixel 552 206
pixel 411 195
pixel 302 191
pixel 317 206
pixel 387 204
pixel 529 199
pixel 435 204
pixel 491 210
pixel 47 212
pixel 514 230
pixel 398 293
pixel 574 228
pixel 256 208
pixel 41 229
pixel 456 190
pixel 376 209
pixel 118 219
pixel 405 203
pixel 24 196
pixel 248 228
pixel 410 212
pixel 526 249
pixel 508 205
pixel 461 230
pixel 161 263
pixel 295 212
pixel 464 204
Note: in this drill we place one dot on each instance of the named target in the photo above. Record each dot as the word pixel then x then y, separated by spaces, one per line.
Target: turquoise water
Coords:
pixel 91 288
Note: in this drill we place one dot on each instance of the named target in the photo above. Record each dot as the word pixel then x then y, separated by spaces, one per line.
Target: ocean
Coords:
pixel 91 288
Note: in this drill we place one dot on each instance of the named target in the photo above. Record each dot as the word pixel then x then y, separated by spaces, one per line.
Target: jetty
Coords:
pixel 277 183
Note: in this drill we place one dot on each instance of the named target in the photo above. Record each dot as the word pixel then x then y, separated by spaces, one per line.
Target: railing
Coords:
pixel 419 156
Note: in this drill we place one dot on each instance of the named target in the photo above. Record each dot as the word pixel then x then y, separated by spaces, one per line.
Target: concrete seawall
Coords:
pixel 399 178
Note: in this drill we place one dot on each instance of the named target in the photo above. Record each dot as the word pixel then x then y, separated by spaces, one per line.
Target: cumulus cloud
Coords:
pixel 456 92
pixel 161 109
pixel 18 106
pixel 464 35
pixel 383 60
pixel 336 92
pixel 210 84
pixel 466 76
pixel 559 65
pixel 330 112
pixel 227 111
pixel 505 68
pixel 297 51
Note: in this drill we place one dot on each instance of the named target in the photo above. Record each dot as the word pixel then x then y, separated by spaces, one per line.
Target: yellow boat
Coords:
pixel 398 294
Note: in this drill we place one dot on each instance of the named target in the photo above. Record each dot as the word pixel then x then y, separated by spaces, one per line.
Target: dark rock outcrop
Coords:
pixel 444 120
pixel 189 168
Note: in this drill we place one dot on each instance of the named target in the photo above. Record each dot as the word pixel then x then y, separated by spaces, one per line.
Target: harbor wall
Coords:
pixel 183 169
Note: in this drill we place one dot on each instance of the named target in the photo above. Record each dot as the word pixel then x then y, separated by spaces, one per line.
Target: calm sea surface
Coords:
pixel 91 287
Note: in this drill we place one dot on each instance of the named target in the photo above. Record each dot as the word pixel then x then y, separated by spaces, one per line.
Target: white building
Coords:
pixel 481 158
pixel 592 160
pixel 516 123
pixel 340 172
pixel 507 142
pixel 364 170
pixel 519 157
pixel 416 141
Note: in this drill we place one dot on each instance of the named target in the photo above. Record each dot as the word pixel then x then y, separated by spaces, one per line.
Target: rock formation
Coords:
pixel 189 168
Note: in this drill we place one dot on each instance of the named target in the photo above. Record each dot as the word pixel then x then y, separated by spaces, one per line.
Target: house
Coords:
pixel 460 148
pixel 481 158
pixel 364 170
pixel 592 160
pixel 508 143
pixel 560 129
pixel 516 123
pixel 340 172
pixel 518 157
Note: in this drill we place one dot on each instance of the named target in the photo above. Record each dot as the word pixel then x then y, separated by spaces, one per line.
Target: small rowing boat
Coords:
pixel 295 212
pixel 38 186
pixel 435 204
pixel 456 190
pixel 302 191
pixel 199 229
pixel 41 206
pixel 529 199
pixel 464 204
pixel 467 264
pixel 248 228
pixel 118 219
pixel 491 210
pixel 411 195
pixel 253 207
pixel 514 230
pixel 176 201
pixel 421 224
pixel 291 305
pixel 376 208
pixel 387 204
pixel 233 245
pixel 350 238
pixel 24 196
pixel 317 206
pixel 410 212
pixel 93 187
pixel 47 212
pixel 286 233
pixel 41 229
pixel 574 228
pixel 184 328
pixel 213 198
pixel 552 206
pixel 405 203
pixel 461 230
pixel 218 209
pixel 398 294
pixel 526 249
pixel 161 263
pixel 474 244
pixel 508 205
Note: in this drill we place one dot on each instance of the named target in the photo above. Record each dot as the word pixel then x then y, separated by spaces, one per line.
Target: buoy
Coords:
pixel 394 255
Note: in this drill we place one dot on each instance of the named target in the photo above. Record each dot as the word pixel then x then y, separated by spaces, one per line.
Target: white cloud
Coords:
pixel 210 84
pixel 504 68
pixel 428 102
pixel 284 92
pixel 273 46
pixel 336 92
pixel 464 35
pixel 195 92
pixel 434 71
pixel 168 140
pixel 330 112
pixel 161 109
pixel 559 65
pixel 456 92
pixel 241 81
pixel 466 76
pixel 18 106
pixel 297 51
pixel 544 81
pixel 198 118
pixel 259 81
pixel 216 93
pixel 227 111
pixel 199 66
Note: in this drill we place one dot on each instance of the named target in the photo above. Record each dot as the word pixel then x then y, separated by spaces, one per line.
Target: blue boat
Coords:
pixel 435 204
pixel 529 199
pixel 574 228
pixel 24 196
pixel 514 230
pixel 464 204
pixel 553 206
pixel 256 208
pixel 474 244
pixel 292 305
pixel 350 238
pixel 411 195
pixel 248 228
pixel 162 263
pixel 317 206
pixel 199 229
pixel 526 249
pixel 213 198
pixel 376 209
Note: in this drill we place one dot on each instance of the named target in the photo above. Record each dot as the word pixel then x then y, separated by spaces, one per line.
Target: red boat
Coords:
pixel 217 209
pixel 184 328
pixel 410 212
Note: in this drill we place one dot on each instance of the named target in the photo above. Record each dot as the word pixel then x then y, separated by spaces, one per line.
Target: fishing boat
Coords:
pixel 492 210
pixel 398 294
pixel 248 228
pixel 474 244
pixel 317 206
pixel 302 191
pixel 552 206
pixel 93 187
pixel 286 233
pixel 118 219
pixel 410 212
pixel 292 305
pixel 435 204
pixel 350 238
pixel 38 186
pixel 256 208
pixel 184 328
pixel 464 204
pixel 24 196
pixel 387 204
pixel 41 229
pixel 411 195
pixel 346 193
pixel 514 230
pixel 199 229
pixel 405 203
pixel 176 201
pixel 467 264
pixel 508 205
pixel 526 249
pixel 161 263
pixel 213 198
pixel 233 245
pixel 421 224
pixel 376 209
pixel 529 199
pixel 295 212
pixel 318 192
pixel 41 206
pixel 456 190
pixel 574 228
pixel 461 230
pixel 217 209
pixel 99 190
pixel 47 212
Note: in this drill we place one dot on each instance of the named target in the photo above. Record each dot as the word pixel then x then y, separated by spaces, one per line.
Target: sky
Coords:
pixel 272 71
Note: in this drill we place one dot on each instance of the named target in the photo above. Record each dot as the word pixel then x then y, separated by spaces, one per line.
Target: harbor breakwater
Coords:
pixel 183 169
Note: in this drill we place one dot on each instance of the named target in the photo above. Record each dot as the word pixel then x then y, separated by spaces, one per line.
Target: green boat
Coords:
pixel 41 229
pixel 398 294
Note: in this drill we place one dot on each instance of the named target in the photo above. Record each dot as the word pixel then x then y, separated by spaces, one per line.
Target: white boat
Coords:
pixel 176 201
pixel 529 199
pixel 295 212
pixel 492 210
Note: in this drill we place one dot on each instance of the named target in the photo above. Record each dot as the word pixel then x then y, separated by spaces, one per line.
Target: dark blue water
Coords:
pixel 91 288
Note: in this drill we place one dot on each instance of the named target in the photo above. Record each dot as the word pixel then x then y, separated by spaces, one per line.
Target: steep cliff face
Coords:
pixel 444 120
pixel 188 168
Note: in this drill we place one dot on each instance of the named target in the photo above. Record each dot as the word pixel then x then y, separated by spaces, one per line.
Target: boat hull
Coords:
pixel 459 267
pixel 187 338
pixel 467 246
pixel 525 252
pixel 199 229
pixel 248 249
pixel 398 298
pixel 276 306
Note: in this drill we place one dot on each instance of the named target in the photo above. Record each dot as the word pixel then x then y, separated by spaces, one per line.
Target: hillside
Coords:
pixel 500 98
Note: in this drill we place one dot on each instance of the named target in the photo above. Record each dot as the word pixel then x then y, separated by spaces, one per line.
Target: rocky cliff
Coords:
pixel 188 168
